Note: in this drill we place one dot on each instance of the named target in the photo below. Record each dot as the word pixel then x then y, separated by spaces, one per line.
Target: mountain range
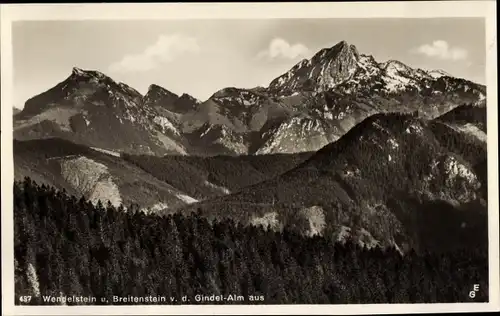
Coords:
pixel 314 103
pixel 339 145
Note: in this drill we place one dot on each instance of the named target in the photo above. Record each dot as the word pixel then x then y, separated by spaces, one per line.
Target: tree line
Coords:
pixel 66 245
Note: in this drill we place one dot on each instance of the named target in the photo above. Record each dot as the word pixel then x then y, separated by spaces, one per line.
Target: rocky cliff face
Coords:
pixel 326 69
pixel 297 134
pixel 91 178
pixel 96 174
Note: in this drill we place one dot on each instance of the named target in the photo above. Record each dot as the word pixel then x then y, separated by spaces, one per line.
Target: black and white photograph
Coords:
pixel 227 158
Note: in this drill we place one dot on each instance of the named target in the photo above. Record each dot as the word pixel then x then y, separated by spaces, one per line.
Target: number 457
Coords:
pixel 25 299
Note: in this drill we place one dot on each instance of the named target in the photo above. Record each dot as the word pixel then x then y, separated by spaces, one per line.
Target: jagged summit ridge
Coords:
pixel 100 82
pixel 326 69
pixel 336 88
pixel 77 71
pixel 338 64
pixel 341 67
pixel 189 98
pixel 157 95
pixel 80 73
pixel 154 88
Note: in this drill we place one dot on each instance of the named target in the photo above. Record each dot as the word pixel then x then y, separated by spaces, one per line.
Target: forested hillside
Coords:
pixel 394 179
pixel 200 177
pixel 68 246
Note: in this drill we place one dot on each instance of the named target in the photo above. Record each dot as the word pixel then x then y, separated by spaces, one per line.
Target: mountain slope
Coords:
pixel 159 183
pixel 206 177
pixel 348 87
pixel 92 109
pixel 92 172
pixel 369 186
pixel 467 119
pixel 182 253
pixel 334 90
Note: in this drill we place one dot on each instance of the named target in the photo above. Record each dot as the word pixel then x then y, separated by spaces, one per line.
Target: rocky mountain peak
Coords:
pixel 78 73
pixel 225 92
pixel 338 64
pixel 326 69
pixel 394 64
pixel 97 82
pixel 159 96
pixel 188 97
pixel 344 49
pixel 186 103
pixel 160 91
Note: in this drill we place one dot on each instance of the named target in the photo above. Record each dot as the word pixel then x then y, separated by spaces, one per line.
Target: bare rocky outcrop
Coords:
pixel 92 179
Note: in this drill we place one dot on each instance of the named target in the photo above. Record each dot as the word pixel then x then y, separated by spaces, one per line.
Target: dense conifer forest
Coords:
pixel 66 246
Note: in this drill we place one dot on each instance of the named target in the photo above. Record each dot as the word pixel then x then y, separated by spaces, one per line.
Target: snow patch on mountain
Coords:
pixel 217 187
pixel 342 69
pixel 368 65
pixel 473 130
pixel 107 152
pixel 186 198
pixel 165 124
pixel 438 73
pixel 241 97
pixel 397 76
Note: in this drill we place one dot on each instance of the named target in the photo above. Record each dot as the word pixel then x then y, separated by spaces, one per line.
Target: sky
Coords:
pixel 200 57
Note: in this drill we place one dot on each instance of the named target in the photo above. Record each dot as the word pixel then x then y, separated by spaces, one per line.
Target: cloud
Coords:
pixel 280 48
pixel 442 50
pixel 166 49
